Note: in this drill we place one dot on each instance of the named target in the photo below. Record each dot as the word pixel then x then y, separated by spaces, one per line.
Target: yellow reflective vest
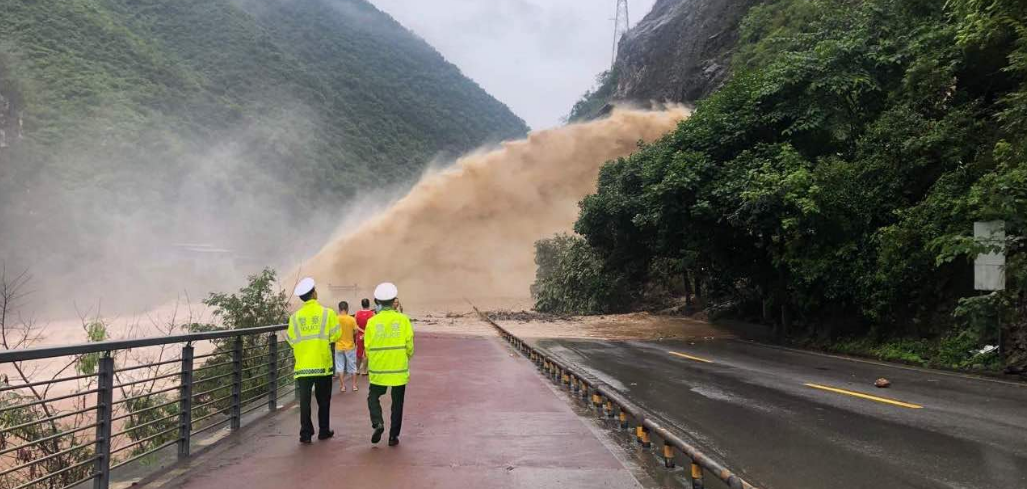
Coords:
pixel 312 330
pixel 388 344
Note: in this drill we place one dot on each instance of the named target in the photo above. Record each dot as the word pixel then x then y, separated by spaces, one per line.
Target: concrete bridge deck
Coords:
pixel 476 415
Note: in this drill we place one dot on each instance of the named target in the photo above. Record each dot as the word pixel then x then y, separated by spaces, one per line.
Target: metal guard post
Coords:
pixel 272 372
pixel 104 408
pixel 236 383
pixel 185 406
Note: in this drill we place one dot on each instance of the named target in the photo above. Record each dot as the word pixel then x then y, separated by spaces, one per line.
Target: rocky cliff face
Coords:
pixel 680 51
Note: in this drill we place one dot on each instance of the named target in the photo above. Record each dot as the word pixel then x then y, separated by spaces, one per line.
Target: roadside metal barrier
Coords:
pixel 612 404
pixel 68 430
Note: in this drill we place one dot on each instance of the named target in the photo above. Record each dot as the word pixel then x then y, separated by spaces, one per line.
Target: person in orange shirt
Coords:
pixel 346 348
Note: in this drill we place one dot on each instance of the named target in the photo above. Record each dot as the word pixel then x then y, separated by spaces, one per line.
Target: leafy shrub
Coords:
pixel 261 302
pixel 571 279
pixel 593 101
pixel 96 330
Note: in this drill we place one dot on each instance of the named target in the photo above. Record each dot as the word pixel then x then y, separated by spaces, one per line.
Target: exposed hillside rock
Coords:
pixel 680 51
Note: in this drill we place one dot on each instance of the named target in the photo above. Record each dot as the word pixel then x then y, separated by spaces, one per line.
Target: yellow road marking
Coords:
pixel 690 357
pixel 865 396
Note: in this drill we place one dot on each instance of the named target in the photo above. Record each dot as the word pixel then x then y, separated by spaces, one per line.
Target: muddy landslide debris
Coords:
pixel 526 316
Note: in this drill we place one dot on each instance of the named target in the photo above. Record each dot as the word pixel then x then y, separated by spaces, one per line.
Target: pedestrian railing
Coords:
pixel 612 404
pixel 69 415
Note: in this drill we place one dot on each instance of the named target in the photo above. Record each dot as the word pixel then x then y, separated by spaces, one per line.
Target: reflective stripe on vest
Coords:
pixel 382 348
pixel 312 371
pixel 389 371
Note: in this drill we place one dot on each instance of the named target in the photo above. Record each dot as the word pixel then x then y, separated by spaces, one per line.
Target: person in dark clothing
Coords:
pixel 323 395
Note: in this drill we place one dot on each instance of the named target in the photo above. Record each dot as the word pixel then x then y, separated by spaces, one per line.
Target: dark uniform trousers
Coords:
pixel 374 404
pixel 322 386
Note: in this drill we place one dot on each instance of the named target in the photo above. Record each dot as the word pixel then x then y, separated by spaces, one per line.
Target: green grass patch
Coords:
pixel 956 351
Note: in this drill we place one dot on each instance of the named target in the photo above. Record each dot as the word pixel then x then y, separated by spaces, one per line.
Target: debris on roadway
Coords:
pixel 526 316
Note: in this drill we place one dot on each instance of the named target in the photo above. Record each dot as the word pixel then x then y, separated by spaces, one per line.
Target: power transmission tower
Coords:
pixel 620 26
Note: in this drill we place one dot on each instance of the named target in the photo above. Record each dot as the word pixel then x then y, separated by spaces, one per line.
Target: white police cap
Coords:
pixel 386 291
pixel 304 287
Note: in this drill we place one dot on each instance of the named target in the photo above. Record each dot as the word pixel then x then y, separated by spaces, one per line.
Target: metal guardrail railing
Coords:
pixel 613 404
pixel 109 415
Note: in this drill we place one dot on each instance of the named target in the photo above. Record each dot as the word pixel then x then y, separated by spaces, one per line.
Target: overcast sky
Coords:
pixel 536 56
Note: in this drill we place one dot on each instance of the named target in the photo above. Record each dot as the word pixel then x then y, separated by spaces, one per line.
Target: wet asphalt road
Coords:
pixel 750 406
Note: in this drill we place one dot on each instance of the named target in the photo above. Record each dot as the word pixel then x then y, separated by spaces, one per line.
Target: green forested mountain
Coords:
pixel 226 122
pixel 831 186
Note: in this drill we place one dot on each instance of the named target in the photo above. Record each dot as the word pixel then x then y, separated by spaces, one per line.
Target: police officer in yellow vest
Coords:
pixel 312 330
pixel 388 344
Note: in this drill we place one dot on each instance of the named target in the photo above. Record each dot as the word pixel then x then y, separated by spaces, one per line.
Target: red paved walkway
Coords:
pixel 476 416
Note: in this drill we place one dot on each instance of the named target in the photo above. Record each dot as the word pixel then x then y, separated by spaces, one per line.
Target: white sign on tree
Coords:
pixel 990 268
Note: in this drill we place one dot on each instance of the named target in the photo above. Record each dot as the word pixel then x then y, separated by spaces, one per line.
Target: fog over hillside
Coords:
pixel 155 146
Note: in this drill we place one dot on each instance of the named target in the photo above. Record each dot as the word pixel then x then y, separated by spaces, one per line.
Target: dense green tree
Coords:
pixel 571 278
pixel 596 100
pixel 260 303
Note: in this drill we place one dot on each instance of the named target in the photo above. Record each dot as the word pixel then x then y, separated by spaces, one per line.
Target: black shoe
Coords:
pixel 305 441
pixel 325 436
pixel 393 442
pixel 377 436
